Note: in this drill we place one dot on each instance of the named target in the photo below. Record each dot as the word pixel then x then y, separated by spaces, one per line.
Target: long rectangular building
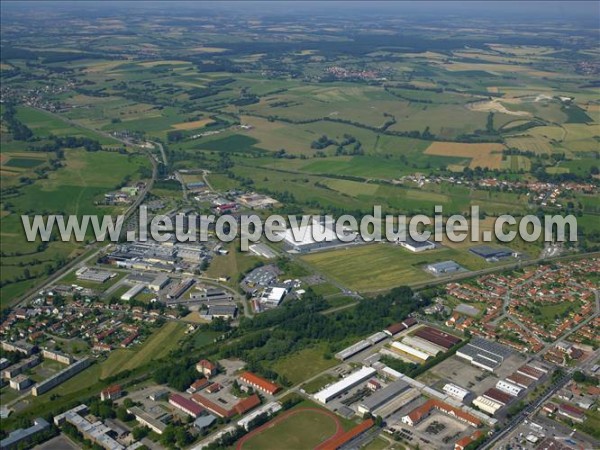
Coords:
pixel 485 354
pixel 437 337
pixel 61 376
pixel 383 396
pixel 407 349
pixel 259 383
pixel 327 394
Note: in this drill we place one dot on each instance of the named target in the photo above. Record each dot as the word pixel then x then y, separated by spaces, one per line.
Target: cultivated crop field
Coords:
pixel 480 155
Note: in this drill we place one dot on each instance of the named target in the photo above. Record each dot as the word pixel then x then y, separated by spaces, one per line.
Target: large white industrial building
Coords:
pixel 509 388
pixel 455 391
pixel 327 394
pixel 403 348
pixel 487 405
pixel 135 290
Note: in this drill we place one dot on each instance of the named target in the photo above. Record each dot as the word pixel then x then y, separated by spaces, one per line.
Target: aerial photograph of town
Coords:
pixel 300 225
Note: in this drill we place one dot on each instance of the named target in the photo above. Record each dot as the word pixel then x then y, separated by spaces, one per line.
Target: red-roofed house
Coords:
pixel 197 385
pixel 462 443
pixel 185 405
pixel 340 441
pixel 206 368
pixel 111 393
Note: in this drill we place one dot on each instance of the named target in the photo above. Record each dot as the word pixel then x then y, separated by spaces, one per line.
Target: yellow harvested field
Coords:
pixel 482 155
pixel 592 107
pixel 493 89
pixel 537 144
pixel 192 125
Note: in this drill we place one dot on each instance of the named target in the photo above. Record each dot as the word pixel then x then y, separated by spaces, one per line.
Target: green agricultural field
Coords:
pixel 25 163
pixel 44 124
pixel 319 383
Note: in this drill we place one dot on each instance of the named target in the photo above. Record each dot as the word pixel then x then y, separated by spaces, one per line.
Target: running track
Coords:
pixel 338 425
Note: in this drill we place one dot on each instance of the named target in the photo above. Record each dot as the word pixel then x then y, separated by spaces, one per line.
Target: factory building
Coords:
pixel 509 388
pixel 484 354
pixel 159 282
pixel 455 391
pixel 411 351
pixel 382 396
pixel 132 292
pixel 327 394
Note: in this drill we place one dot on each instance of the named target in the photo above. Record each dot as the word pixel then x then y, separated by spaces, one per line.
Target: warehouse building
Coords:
pixel 487 405
pixel 455 391
pixel 355 378
pixel 437 337
pixel 444 267
pixel 159 282
pixel 416 246
pixel 394 329
pixel 223 311
pixel 209 295
pixel 94 275
pixel 179 289
pixel 509 388
pixel 491 253
pixel 353 350
pixel 485 354
pixel 423 345
pixel 382 396
pixel 535 373
pixel 498 396
pixel 273 296
pixel 410 351
pixel 132 292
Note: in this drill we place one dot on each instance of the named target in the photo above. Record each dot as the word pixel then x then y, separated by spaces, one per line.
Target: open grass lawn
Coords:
pixel 301 430
pixel 304 364
pixel 319 383
pixel 231 265
pixel 376 267
pixel 551 310
pixel 158 345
